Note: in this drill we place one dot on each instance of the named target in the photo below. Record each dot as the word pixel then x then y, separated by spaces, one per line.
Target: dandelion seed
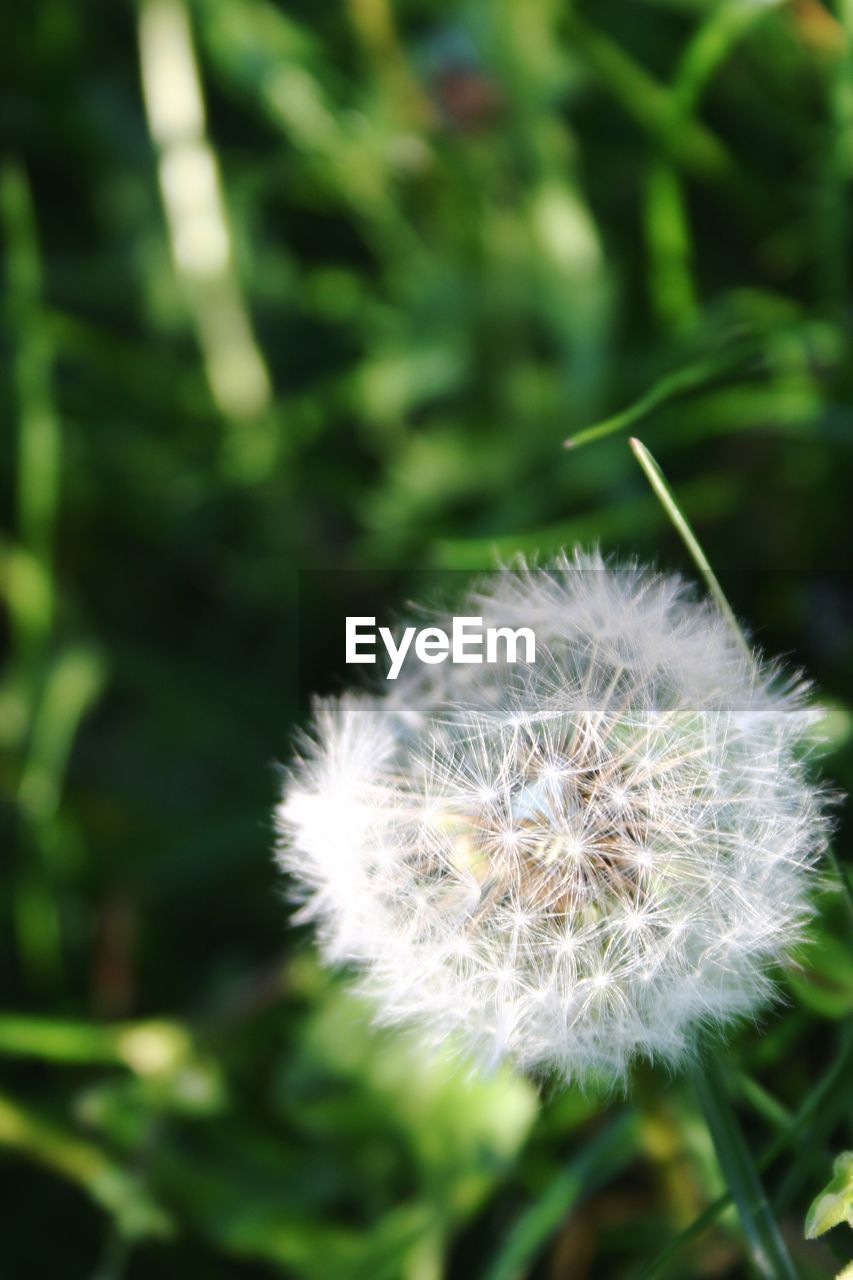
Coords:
pixel 570 863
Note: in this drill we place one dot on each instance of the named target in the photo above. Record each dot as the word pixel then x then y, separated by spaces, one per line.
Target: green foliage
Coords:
pixel 329 286
pixel 834 1204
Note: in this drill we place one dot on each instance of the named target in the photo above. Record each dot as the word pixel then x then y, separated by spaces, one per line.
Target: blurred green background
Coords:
pixel 316 286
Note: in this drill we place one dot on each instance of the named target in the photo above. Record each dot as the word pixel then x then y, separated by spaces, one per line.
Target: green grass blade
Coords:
pixel 835 1077
pixel 39 443
pixel 652 105
pixel 658 482
pixel 689 378
pixel 711 46
pixel 767 1249
pixel 656 479
pixel 590 1168
pixel 669 244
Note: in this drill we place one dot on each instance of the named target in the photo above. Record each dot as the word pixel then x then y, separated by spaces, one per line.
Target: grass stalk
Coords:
pixel 767 1249
pixel 594 1165
pixel 656 479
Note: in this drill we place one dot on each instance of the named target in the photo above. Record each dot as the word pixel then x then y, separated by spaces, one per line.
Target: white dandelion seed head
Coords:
pixel 569 863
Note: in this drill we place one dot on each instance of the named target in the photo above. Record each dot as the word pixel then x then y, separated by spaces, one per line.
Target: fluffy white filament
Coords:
pixel 570 863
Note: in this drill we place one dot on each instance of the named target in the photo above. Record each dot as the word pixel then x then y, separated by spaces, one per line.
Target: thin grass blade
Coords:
pixel 767 1249
pixel 599 1160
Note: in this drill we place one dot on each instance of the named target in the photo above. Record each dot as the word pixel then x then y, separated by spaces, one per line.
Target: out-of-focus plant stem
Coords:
pixel 28 569
pixel 652 105
pixel 373 23
pixel 671 285
pixel 149 1048
pixel 837 170
pixel 202 243
pixel 83 1162
pixel 28 581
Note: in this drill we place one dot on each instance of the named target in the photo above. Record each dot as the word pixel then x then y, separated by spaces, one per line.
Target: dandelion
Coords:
pixel 569 863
